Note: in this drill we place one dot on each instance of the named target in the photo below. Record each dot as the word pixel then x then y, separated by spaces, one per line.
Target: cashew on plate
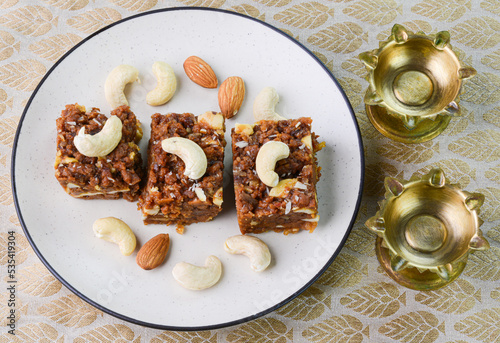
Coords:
pixel 190 153
pixel 252 247
pixel 114 230
pixel 103 142
pixel 165 87
pixel 264 104
pixel 270 153
pixel 197 278
pixel 115 84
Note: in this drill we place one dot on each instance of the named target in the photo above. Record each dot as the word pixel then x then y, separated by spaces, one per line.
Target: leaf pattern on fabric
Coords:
pixel 493 174
pixel 117 333
pixel 478 145
pixel 362 241
pixel 484 265
pixel 492 60
pixel 492 6
pixel 355 66
pixel 36 280
pixel 483 326
pixel 343 328
pixel 70 5
pixel 494 234
pixel 261 330
pixel 8 128
pixel 70 311
pixel 307 15
pixel 495 294
pixel 345 271
pixel 203 3
pixel 273 3
pixel 374 12
pixel 185 337
pixel 368 131
pixel 33 333
pixel 482 89
pixel 29 20
pixel 22 75
pixel 8 45
pixel 340 38
pixel 54 47
pixel 4 103
pixel 249 10
pixel 447 10
pixel 456 298
pixel 376 300
pixel 477 33
pixel 493 116
pixel 490 210
pixel 459 124
pixel 308 306
pixel 352 89
pixel 136 5
pixel 23 249
pixel 414 327
pixel 92 21
pixel 6 198
pixel 404 153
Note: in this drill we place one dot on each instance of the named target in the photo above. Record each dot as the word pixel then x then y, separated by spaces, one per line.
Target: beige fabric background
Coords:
pixel 354 301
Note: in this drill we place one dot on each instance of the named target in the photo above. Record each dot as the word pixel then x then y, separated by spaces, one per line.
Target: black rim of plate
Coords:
pixel 167 327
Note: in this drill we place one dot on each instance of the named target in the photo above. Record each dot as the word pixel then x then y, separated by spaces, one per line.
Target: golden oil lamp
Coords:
pixel 414 84
pixel 426 229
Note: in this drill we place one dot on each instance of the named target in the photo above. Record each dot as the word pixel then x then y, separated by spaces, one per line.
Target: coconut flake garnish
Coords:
pixel 300 185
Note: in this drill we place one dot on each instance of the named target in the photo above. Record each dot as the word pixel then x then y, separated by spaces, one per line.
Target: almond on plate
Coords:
pixel 200 72
pixel 153 252
pixel 231 95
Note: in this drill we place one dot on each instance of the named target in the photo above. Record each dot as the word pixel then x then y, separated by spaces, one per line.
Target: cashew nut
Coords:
pixel 114 230
pixel 307 141
pixel 264 104
pixel 252 247
pixel 213 119
pixel 116 82
pixel 188 151
pixel 270 153
pixel 244 129
pixel 166 86
pixel 197 278
pixel 103 142
pixel 283 188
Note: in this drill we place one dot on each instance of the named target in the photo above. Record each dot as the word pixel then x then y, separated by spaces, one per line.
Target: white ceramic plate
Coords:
pixel 59 227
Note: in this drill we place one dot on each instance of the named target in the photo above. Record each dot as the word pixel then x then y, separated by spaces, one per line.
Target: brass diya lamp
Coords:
pixel 414 84
pixel 426 228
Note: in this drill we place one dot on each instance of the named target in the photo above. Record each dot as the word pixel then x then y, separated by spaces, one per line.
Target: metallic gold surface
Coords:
pixel 426 225
pixel 414 83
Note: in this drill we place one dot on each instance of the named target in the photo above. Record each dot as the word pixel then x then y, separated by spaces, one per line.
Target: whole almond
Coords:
pixel 231 95
pixel 200 72
pixel 153 252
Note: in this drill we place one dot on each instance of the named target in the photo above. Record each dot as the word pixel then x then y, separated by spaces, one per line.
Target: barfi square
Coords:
pixel 170 196
pixel 116 175
pixel 292 204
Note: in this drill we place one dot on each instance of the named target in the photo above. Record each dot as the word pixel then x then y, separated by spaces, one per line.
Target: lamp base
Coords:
pixel 393 126
pixel 411 277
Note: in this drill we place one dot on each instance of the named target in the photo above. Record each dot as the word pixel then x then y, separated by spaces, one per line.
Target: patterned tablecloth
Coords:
pixel 354 301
